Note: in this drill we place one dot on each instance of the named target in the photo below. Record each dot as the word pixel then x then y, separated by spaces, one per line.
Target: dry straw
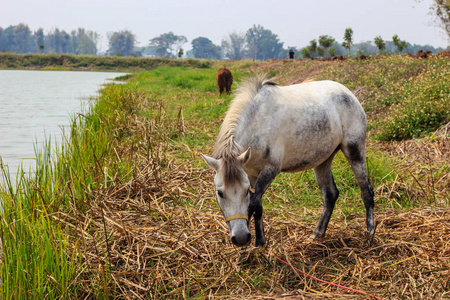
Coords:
pixel 139 241
pixel 150 247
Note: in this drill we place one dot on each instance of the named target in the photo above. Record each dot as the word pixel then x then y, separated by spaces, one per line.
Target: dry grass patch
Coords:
pixel 161 236
pixel 425 162
pixel 138 241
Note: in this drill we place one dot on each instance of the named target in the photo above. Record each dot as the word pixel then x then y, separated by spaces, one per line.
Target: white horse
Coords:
pixel 270 129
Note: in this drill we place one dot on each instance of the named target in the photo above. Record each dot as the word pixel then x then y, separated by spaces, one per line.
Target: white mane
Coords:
pixel 225 148
pixel 245 93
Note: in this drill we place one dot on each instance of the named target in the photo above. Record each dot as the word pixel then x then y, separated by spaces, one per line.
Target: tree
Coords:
pixel 235 45
pixel 381 45
pixel 203 48
pixel 39 39
pixel 325 41
pixel 8 39
pixel 348 40
pixel 168 44
pixel 262 43
pixel 18 39
pixel 313 48
pixel 180 53
pixel 306 52
pixel 332 51
pixel 84 42
pixel 398 43
pixel 441 9
pixel 24 39
pixel 121 43
pixel 58 41
pixel 148 50
pixel 338 49
pixel 321 51
pixel 365 48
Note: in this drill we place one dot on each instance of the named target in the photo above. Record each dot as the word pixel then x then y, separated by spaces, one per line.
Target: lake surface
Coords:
pixel 36 105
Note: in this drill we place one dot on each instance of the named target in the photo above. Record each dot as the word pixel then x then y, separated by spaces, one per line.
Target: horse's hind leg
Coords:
pixel 228 88
pixel 355 154
pixel 330 193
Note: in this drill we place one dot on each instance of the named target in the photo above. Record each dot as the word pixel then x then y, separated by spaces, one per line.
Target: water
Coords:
pixel 36 105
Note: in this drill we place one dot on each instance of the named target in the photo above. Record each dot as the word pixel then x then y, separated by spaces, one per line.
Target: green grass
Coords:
pixel 35 260
pixel 423 106
pixel 296 191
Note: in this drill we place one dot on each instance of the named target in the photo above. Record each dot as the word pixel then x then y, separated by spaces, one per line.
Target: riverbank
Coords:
pixel 68 62
pixel 128 209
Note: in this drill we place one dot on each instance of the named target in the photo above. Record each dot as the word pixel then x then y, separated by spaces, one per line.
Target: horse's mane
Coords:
pixel 225 148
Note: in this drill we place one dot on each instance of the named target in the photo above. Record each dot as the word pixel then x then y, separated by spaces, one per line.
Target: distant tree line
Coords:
pixel 21 39
pixel 327 46
pixel 256 43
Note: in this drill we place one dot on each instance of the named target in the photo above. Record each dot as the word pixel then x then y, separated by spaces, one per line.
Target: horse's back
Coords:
pixel 313 101
pixel 321 99
pixel 326 92
pixel 300 125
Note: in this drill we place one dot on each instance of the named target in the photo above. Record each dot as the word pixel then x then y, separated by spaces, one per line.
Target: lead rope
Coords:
pixel 324 281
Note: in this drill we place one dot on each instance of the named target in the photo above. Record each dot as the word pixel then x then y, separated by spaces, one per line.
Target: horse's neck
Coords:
pixel 242 136
pixel 238 124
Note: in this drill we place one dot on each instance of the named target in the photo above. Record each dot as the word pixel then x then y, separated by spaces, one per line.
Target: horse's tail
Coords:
pixel 222 81
pixel 228 80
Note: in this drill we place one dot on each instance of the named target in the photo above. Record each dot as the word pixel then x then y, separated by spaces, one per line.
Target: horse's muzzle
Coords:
pixel 241 239
pixel 239 230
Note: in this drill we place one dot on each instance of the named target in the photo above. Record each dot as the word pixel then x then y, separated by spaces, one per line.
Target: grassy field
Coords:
pixel 125 208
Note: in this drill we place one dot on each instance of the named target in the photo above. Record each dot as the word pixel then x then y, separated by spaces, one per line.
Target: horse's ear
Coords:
pixel 212 162
pixel 245 156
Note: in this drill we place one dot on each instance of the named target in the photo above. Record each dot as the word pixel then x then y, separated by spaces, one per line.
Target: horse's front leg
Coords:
pixel 265 178
pixel 330 193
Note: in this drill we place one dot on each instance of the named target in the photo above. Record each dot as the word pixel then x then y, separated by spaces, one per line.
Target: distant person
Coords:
pixel 291 54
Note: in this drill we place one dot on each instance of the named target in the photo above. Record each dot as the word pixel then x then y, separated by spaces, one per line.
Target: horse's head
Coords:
pixel 233 194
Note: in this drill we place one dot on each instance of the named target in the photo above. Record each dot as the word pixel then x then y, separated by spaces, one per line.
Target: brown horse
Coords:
pixel 224 80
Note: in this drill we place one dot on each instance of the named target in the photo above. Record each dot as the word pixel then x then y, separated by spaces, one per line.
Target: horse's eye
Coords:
pixel 220 193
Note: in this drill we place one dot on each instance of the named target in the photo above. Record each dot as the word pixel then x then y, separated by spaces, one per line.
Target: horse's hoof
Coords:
pixel 310 239
pixel 260 248
pixel 369 236
pixel 260 243
pixel 315 236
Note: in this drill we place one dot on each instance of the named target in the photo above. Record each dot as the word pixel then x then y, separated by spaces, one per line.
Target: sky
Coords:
pixel 294 22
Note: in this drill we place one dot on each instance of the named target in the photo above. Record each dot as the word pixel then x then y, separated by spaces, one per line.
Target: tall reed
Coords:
pixel 34 261
pixel 38 223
